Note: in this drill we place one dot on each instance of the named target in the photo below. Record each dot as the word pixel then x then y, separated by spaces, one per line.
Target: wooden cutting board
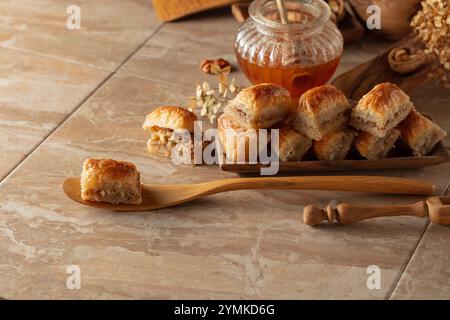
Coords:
pixel 361 79
pixel 398 158
pixel 169 10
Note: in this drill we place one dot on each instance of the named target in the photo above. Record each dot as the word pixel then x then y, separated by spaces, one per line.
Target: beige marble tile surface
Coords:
pixel 110 30
pixel 36 95
pixel 182 46
pixel 251 243
pixel 246 244
pixel 428 273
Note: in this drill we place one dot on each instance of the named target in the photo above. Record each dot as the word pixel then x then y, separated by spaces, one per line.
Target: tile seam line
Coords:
pixel 86 98
pixel 161 82
pixel 56 58
pixel 408 262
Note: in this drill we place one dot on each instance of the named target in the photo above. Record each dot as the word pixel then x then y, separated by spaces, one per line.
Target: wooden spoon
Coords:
pixel 156 196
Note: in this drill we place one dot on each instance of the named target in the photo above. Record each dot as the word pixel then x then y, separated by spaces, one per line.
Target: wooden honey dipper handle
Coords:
pixel 346 213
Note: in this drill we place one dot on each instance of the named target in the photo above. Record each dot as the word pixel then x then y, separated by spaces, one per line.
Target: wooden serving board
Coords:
pixel 361 79
pixel 397 159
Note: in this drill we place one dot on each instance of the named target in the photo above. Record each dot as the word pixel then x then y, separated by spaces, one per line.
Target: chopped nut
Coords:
pixel 210 104
pixel 215 66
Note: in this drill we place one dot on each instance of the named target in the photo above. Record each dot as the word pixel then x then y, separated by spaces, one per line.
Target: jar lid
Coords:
pixel 303 15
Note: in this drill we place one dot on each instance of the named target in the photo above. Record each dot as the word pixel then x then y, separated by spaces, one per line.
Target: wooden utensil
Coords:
pixel 156 196
pixel 240 11
pixel 437 209
pixel 169 10
pixel 282 10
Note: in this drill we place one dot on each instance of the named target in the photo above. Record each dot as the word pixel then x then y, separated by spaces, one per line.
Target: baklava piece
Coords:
pixel 106 180
pixel 373 147
pixel 381 109
pixel 260 106
pixel 239 144
pixel 420 133
pixel 320 111
pixel 292 145
pixel 163 123
pixel 335 145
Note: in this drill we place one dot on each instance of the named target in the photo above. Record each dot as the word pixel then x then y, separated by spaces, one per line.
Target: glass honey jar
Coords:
pixel 299 55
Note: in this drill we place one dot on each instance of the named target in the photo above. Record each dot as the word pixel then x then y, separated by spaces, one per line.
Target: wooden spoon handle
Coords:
pixel 374 184
pixel 347 213
pixel 350 213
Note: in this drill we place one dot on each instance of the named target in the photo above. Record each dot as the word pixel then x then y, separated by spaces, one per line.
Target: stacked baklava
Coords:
pixel 321 121
pixel 323 114
pixel 385 114
pixel 324 120
pixel 261 107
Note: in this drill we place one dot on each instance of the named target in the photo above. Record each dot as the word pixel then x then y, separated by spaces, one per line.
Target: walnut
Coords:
pixel 215 66
pixel 408 59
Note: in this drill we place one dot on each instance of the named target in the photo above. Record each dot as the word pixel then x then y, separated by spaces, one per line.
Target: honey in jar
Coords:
pixel 299 55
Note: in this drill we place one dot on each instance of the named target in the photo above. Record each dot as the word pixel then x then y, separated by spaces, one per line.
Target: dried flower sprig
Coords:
pixel 212 101
pixel 432 26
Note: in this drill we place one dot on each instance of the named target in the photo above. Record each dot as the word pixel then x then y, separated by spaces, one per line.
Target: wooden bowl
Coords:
pixel 395 15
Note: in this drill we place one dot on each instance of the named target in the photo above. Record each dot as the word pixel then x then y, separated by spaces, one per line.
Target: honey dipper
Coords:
pixel 437 209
